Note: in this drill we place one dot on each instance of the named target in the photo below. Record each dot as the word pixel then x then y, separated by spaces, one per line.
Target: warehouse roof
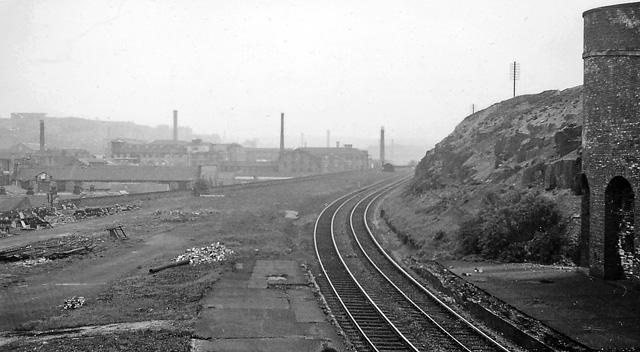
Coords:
pixel 112 173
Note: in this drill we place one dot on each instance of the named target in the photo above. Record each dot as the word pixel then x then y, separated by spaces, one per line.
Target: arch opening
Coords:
pixel 585 222
pixel 619 230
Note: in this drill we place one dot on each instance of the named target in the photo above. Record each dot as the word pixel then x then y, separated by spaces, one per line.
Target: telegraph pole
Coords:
pixel 514 73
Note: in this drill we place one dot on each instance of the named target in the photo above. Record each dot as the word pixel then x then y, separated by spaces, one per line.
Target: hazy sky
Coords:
pixel 415 67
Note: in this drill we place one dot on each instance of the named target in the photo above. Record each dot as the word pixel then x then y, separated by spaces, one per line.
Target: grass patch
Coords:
pixel 140 340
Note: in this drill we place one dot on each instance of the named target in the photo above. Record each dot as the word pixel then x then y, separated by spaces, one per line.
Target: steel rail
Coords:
pixel 345 305
pixel 455 316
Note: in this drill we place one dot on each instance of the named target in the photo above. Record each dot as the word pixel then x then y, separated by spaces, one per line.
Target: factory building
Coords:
pixel 324 160
pixel 174 153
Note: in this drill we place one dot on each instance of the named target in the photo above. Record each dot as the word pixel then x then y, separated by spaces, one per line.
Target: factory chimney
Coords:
pixel 175 125
pixel 382 145
pixel 281 134
pixel 42 135
pixel 328 140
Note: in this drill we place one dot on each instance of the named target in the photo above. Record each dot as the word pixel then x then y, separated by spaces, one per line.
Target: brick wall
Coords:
pixel 610 143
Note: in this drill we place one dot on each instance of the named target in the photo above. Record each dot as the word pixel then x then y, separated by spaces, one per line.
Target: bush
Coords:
pixel 520 225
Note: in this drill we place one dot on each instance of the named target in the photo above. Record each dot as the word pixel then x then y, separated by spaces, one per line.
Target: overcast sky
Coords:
pixel 231 67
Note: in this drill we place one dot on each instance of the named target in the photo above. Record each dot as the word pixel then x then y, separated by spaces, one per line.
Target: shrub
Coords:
pixel 520 225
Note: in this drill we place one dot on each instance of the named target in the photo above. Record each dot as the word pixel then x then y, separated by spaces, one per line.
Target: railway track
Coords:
pixel 378 305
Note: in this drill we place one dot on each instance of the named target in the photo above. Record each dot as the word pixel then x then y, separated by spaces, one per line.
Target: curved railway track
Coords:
pixel 380 306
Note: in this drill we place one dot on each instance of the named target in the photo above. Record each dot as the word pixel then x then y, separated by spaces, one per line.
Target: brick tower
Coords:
pixel 611 142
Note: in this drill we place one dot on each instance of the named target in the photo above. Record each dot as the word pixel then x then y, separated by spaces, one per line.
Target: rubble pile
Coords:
pixel 74 302
pixel 216 252
pixel 178 216
pixel 60 218
pixel 184 216
pixel 103 211
pixel 32 262
pixel 53 249
pixel 44 217
pixel 26 220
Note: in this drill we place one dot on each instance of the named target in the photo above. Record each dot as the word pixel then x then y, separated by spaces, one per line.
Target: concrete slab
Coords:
pixel 242 313
pixel 276 272
pixel 238 323
pixel 261 345
pixel 305 307
pixel 241 298
pixel 599 314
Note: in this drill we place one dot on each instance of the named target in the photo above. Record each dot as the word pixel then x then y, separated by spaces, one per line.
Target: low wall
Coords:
pixel 128 198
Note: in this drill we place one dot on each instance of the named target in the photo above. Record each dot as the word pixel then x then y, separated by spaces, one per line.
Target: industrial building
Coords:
pixel 324 160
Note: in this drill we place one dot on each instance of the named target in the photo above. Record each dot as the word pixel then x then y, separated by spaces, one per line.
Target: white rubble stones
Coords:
pixel 291 214
pixel 216 252
pixel 74 302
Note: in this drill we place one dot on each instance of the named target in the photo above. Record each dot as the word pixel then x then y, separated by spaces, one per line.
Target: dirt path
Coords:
pixel 86 280
pixel 46 292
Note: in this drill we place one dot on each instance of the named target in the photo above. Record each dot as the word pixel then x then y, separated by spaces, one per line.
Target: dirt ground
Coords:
pixel 114 277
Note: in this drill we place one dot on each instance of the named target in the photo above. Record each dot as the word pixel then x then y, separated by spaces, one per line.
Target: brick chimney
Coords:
pixel 175 125
pixel 281 133
pixel 42 148
pixel 382 145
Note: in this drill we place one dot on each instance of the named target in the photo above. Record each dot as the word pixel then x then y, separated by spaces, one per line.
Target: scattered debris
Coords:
pixel 178 216
pixel 74 302
pixel 216 252
pixel 46 217
pixel 290 214
pixel 104 211
pixel 117 232
pixel 478 270
pixel 32 262
pixel 170 265
pixel 184 216
pixel 53 249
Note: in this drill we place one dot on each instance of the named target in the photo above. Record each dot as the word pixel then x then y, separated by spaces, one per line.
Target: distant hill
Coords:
pixel 92 135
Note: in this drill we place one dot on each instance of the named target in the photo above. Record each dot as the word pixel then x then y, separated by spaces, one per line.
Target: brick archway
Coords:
pixel 585 221
pixel 619 229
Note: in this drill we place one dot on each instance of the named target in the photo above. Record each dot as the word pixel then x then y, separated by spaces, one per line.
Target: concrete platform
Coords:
pixel 263 306
pixel 599 314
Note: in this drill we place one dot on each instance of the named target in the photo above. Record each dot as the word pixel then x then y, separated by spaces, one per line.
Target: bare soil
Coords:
pixel 114 277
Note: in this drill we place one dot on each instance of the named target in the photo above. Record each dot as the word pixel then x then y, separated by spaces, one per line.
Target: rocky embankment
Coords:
pixel 528 141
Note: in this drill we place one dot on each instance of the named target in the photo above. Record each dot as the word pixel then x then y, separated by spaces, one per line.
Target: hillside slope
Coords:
pixel 500 143
pixel 524 142
pixel 92 135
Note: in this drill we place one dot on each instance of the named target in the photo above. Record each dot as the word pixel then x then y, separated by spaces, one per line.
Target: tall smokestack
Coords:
pixel 328 140
pixel 382 145
pixel 281 133
pixel 337 144
pixel 175 125
pixel 42 135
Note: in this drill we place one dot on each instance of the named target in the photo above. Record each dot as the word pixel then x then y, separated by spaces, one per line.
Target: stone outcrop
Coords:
pixel 531 140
